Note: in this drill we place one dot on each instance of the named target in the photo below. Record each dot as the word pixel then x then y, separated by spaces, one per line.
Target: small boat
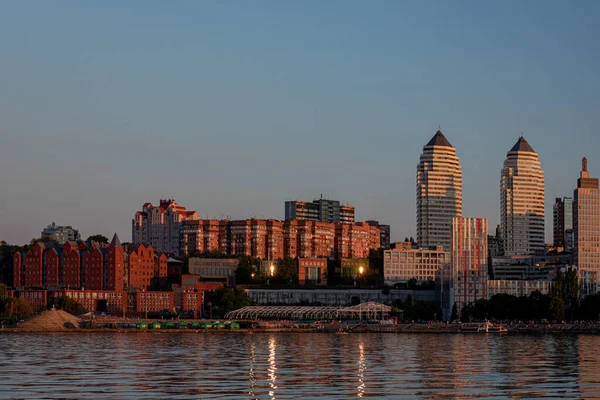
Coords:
pixel 484 327
pixel 341 332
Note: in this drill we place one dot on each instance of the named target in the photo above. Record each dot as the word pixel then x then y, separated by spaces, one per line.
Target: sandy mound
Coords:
pixel 52 320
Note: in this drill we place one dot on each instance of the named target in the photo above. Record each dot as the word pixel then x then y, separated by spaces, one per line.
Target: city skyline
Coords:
pixel 104 108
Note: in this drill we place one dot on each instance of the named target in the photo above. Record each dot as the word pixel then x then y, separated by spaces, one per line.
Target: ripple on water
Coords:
pixel 185 366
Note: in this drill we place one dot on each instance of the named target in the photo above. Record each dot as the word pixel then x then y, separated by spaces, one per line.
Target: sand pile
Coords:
pixel 52 320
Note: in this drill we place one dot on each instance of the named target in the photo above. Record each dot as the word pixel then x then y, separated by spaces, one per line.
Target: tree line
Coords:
pixel 562 303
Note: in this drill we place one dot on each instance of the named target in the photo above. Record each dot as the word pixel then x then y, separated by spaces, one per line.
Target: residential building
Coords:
pixel 154 302
pixel 272 240
pixel 109 301
pixel 213 269
pixel 384 233
pixel 312 271
pixel 522 201
pixel 91 266
pixel 206 235
pixel 404 263
pixel 563 223
pixel 160 226
pixel 469 255
pixel 141 268
pixel 188 300
pixel 586 224
pixel 60 234
pixel 321 210
pixel 37 298
pixel 529 267
pixel 439 192
pixel 518 287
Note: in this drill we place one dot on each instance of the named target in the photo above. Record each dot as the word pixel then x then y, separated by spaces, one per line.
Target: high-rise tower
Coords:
pixel 439 192
pixel 586 227
pixel 522 201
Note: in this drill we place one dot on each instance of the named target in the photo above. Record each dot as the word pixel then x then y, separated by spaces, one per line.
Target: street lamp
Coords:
pixel 272 270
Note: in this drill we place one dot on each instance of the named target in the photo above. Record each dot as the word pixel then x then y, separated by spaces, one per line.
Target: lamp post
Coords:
pixel 272 271
pixel 360 271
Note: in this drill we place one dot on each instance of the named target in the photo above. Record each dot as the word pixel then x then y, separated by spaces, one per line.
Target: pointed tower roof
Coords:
pixel 439 140
pixel 115 242
pixel 522 145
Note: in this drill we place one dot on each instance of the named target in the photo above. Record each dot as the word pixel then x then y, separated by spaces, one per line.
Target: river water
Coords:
pixel 296 365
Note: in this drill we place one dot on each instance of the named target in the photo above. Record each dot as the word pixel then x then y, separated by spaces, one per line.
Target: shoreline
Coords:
pixel 397 329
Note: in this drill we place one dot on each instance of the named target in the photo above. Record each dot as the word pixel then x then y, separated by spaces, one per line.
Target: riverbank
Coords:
pixel 328 328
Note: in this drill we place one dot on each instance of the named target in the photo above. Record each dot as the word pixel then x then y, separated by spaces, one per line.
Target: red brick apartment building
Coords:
pixel 154 301
pixel 109 301
pixel 91 266
pixel 273 240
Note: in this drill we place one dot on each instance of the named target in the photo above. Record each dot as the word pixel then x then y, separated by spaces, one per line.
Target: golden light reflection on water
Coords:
pixel 361 369
pixel 272 367
pixel 190 366
pixel 251 376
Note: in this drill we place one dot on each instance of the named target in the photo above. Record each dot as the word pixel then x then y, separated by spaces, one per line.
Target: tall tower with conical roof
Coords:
pixel 439 192
pixel 522 201
pixel 586 228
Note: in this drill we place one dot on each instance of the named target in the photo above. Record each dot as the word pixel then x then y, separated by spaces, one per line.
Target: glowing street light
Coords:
pixel 361 270
pixel 272 270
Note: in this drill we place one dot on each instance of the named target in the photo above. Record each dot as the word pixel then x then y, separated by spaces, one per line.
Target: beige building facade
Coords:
pixel 404 263
pixel 439 192
pixel 522 202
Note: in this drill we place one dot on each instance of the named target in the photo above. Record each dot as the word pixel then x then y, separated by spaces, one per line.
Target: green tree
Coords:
pixel 564 295
pixel 98 238
pixel 480 309
pixel 228 299
pixel 67 304
pixel 47 240
pixel 466 313
pixel 3 291
pixel 20 309
pixel 589 308
pixel 245 269
pixel 454 315
pixel 287 271
pixel 501 306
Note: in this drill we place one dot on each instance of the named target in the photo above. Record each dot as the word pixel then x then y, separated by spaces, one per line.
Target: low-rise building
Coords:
pixel 108 301
pixel 188 300
pixel 213 269
pixel 517 287
pixel 404 263
pixel 529 267
pixel 312 271
pixel 60 234
pixel 153 302
pixel 38 299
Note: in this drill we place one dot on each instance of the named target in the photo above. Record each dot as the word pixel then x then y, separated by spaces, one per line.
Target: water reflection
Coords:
pixel 272 367
pixel 193 366
pixel 361 369
pixel 251 377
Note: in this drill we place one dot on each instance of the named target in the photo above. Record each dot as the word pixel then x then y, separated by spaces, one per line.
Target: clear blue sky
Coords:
pixel 233 107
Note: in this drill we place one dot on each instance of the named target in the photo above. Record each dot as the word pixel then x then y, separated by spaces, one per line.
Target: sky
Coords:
pixel 234 107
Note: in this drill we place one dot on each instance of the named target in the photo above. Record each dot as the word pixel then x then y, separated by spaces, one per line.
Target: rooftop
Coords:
pixel 439 140
pixel 522 145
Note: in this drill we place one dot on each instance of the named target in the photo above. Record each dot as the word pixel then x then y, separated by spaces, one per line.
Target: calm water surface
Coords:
pixel 286 366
